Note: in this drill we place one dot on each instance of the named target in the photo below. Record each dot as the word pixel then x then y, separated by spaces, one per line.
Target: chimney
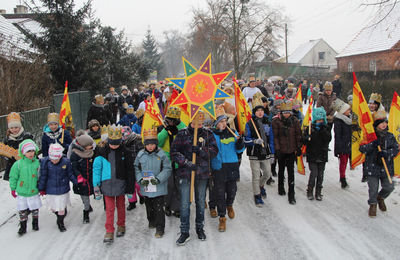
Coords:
pixel 21 9
pixel 3 11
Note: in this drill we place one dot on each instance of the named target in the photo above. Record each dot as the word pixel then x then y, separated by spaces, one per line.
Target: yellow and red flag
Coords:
pixel 185 117
pixel 299 98
pixel 394 127
pixel 365 133
pixel 152 118
pixel 306 123
pixel 65 111
pixel 243 110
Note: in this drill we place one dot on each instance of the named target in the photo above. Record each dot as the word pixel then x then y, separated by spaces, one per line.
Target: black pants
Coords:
pixel 316 174
pixel 212 193
pixel 173 198
pixel 225 192
pixel 286 160
pixel 155 212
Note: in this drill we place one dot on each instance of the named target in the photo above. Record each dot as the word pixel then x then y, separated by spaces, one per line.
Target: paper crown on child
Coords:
pixel 328 86
pixel 379 117
pixel 252 79
pixel 130 110
pixel 173 112
pixel 53 118
pixel 150 134
pixel 14 120
pixel 200 117
pixel 139 113
pixel 297 104
pixel 114 132
pixel 340 106
pixel 104 130
pixel 257 101
pixel 287 106
pixel 219 114
pixel 124 88
pixel 375 97
pixel 99 99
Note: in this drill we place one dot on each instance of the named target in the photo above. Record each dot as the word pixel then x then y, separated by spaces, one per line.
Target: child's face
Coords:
pixel 95 128
pixel 347 112
pixel 55 161
pixel 372 106
pixel 151 147
pixel 53 126
pixel 89 147
pixel 222 124
pixel 14 130
pixel 30 154
pixel 382 126
pixel 259 113
pixel 286 115
pixel 114 146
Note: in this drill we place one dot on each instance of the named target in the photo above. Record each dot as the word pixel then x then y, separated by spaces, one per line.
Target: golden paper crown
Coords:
pixel 290 86
pixel 200 117
pixel 252 78
pixel 150 134
pixel 173 112
pixel 130 110
pixel 114 132
pixel 328 86
pixel 99 98
pixel 219 111
pixel 139 113
pixel 340 106
pixel 13 117
pixel 375 97
pixel 112 89
pixel 287 106
pixel 257 101
pixel 124 87
pixel 298 103
pixel 53 118
pixel 380 114
pixel 104 130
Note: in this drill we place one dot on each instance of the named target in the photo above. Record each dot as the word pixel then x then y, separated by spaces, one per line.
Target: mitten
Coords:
pixel 42 192
pixel 80 179
pixel 259 141
pixel 144 182
pixel 190 165
pixel 97 193
pixel 154 181
pixel 239 144
pixel 13 193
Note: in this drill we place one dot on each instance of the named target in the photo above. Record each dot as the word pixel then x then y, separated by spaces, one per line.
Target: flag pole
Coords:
pixel 230 130
pixel 192 177
pixel 258 134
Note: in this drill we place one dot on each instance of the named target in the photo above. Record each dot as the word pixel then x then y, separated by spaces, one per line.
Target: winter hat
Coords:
pixel 124 88
pixel 93 122
pixel 350 99
pixel 375 98
pixel 55 151
pixel 340 106
pixel 318 114
pixel 26 146
pixel 328 86
pixel 278 101
pixel 84 140
pixel 130 110
pixel 126 131
pixel 150 137
pixel 379 117
pixel 14 120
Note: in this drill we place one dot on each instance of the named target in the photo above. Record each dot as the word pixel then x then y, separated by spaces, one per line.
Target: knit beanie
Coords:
pixel 27 145
pixel 55 151
pixel 84 140
pixel 14 120
pixel 318 114
pixel 93 122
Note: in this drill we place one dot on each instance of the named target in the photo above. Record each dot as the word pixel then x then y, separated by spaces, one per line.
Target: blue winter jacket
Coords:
pixel 159 164
pixel 255 151
pixel 47 140
pixel 137 129
pixel 128 120
pixel 55 178
pixel 227 152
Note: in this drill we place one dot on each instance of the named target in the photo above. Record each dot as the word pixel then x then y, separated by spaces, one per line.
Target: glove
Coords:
pixel 42 192
pixel 81 179
pixel 259 141
pixel 154 181
pixel 382 154
pixel 144 182
pixel 375 143
pixel 190 165
pixel 97 193
pixel 13 193
pixel 298 152
pixel 173 129
pixel 239 143
pixel 197 150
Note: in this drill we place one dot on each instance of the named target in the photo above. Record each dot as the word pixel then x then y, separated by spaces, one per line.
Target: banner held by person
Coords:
pixel 394 128
pixel 66 121
pixel 243 110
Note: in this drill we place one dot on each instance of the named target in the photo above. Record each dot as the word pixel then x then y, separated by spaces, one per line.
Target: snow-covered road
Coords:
pixel 336 228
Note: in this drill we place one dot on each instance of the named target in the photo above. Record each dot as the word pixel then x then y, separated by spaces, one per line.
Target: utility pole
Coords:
pixel 286 54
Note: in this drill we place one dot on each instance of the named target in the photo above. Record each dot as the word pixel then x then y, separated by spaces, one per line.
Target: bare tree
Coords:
pixel 383 8
pixel 172 51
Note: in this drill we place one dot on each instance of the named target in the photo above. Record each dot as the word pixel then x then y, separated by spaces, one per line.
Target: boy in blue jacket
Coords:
pixel 152 169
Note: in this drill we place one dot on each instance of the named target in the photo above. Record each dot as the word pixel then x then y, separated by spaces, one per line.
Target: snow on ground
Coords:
pixel 336 228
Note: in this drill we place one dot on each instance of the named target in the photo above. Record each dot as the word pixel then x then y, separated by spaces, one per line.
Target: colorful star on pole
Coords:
pixel 199 87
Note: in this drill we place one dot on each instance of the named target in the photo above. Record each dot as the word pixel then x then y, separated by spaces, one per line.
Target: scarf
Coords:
pixel 51 134
pixel 81 152
pixel 16 136
pixel 347 120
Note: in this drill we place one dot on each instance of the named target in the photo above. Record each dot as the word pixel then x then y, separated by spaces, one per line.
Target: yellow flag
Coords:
pixel 152 118
pixel 299 98
pixel 394 127
pixel 65 111
pixel 243 111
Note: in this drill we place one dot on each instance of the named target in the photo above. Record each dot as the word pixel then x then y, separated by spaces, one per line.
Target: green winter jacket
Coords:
pixel 164 141
pixel 24 175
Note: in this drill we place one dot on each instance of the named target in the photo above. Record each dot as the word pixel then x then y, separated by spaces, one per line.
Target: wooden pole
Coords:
pixel 255 128
pixel 230 130
pixel 162 122
pixel 385 165
pixel 62 136
pixel 192 177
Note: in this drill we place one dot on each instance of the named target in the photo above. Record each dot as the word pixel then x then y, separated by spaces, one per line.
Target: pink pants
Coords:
pixel 343 159
pixel 111 203
pixel 137 190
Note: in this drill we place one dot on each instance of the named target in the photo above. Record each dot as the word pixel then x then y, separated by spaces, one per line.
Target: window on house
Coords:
pixel 321 55
pixel 372 65
pixel 350 66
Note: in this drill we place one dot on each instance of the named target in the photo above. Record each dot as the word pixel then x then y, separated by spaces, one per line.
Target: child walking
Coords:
pixel 55 174
pixel 152 161
pixel 23 184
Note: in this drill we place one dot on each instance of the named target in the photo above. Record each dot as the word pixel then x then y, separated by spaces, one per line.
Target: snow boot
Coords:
pixel 159 233
pixel 90 209
pixel 344 184
pixel 281 191
pixel 86 219
pixel 35 224
pixel 183 239
pixel 270 181
pixel 131 206
pixel 318 195
pixel 60 223
pixel 213 213
pixel 310 194
pixel 22 228
pixel 167 212
pixel 108 238
pixel 177 214
pixel 372 211
pixel 121 231
pixel 231 212
pixel 258 200
pixel 381 203
pixel 364 178
pixel 141 200
pixel 292 200
pixel 222 224
pixel 152 225
pixel 200 234
pixel 263 192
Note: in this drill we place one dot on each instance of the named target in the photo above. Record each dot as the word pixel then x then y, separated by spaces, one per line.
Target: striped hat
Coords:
pixel 55 151
pixel 27 145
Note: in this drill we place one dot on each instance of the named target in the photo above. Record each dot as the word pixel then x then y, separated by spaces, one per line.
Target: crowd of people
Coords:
pixel 113 160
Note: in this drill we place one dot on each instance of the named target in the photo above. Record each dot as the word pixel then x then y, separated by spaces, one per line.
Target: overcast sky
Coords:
pixel 336 21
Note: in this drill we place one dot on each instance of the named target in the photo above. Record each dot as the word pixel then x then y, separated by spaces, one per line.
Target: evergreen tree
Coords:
pixel 150 52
